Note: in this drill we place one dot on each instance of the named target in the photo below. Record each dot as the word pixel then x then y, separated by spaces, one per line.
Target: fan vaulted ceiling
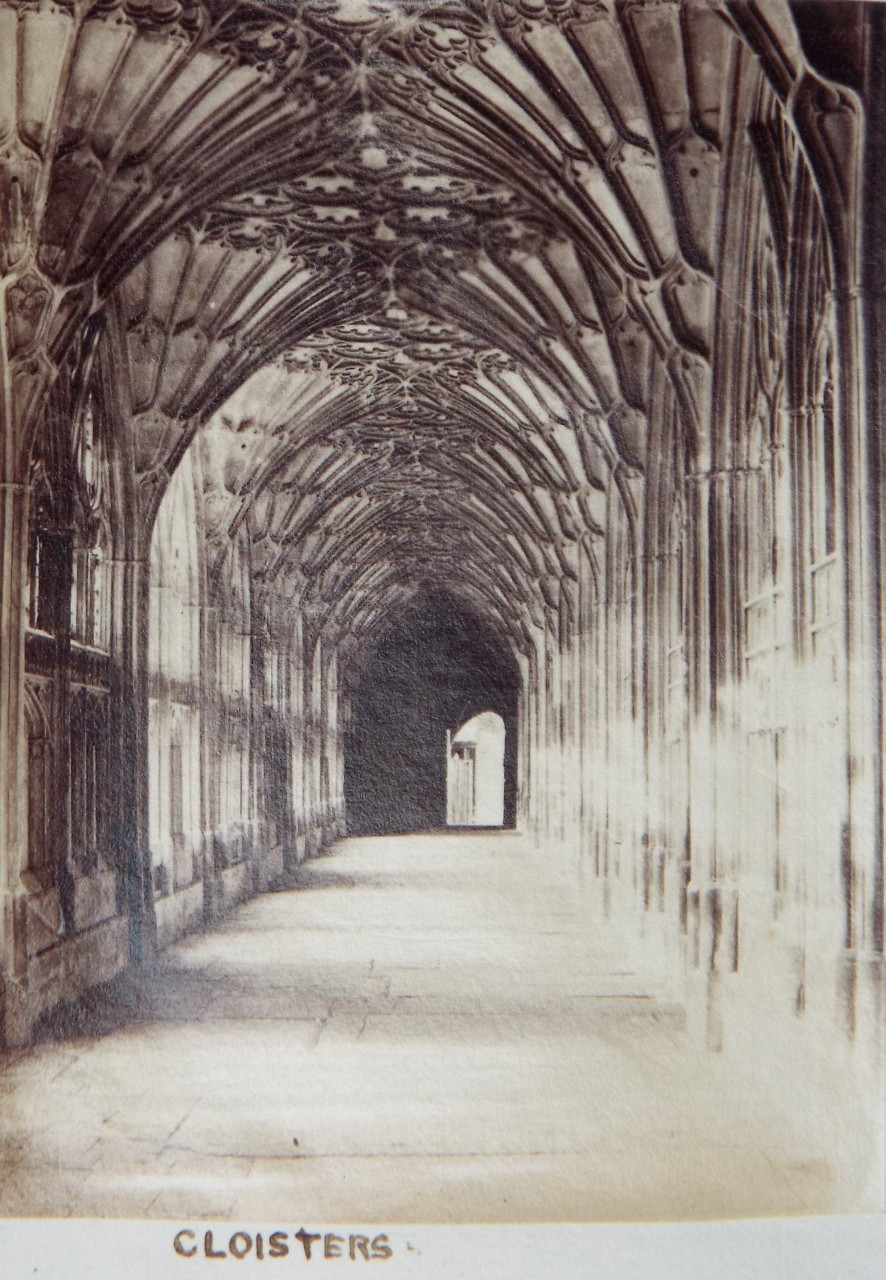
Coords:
pixel 409 275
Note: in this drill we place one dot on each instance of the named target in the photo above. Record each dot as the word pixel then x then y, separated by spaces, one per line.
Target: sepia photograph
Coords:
pixel 442 566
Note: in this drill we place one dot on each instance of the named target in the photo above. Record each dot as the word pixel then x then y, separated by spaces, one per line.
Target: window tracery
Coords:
pixel 90 605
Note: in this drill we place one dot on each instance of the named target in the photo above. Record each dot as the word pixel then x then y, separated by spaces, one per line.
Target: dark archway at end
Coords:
pixel 431 671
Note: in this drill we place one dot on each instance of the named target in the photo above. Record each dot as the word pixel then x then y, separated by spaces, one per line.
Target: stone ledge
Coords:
pixel 64 972
pixel 179 913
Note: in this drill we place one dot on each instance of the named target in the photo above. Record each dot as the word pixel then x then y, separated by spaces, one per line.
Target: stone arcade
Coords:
pixel 567 313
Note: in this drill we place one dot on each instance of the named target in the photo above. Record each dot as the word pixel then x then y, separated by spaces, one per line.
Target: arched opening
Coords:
pixel 176 805
pixel 475 772
pixel 436 668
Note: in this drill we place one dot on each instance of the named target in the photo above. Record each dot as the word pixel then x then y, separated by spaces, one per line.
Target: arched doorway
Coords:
pixel 475 772
pixel 439 666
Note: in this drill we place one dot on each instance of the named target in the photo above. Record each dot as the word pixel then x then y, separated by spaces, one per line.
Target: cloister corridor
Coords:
pixel 432 1021
pixel 442 608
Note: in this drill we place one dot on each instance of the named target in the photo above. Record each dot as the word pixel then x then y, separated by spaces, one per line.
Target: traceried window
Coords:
pixel 90 611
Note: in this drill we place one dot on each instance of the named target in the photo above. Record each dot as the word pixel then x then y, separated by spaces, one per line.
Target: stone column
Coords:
pixel 128 737
pixel 866 527
pixel 524 746
pixel 257 642
pixel 60 545
pixel 653 566
pixel 210 737
pixel 585 704
pixel 702 911
pixel 14 501
pixel 535 697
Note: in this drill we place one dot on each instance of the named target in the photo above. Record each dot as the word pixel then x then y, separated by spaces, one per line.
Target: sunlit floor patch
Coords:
pixel 436 1031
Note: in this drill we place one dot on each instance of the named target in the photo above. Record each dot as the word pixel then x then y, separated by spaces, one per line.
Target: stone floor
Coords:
pixel 424 1029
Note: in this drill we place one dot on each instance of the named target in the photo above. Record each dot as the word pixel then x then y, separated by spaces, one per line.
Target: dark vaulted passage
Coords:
pixel 428 673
